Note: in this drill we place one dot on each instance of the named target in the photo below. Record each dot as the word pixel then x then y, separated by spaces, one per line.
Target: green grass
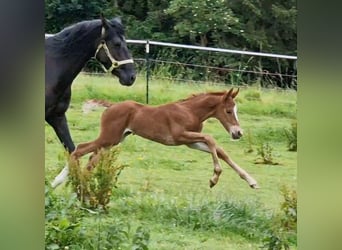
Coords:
pixel 166 189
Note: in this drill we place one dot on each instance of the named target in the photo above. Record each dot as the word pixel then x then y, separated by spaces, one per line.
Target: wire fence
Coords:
pixel 180 71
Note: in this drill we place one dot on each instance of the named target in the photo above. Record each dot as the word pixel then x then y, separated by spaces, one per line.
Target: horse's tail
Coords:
pixel 92 104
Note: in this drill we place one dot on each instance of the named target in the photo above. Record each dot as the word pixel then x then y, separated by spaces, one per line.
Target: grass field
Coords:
pixel 165 191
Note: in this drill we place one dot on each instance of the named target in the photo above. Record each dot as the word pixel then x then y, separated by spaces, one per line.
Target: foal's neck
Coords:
pixel 203 106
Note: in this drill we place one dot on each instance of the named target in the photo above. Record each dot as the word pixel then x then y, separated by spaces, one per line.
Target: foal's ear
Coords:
pixel 231 94
pixel 227 95
pixel 234 94
pixel 105 23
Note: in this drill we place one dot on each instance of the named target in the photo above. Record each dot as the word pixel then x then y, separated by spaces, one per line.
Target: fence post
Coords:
pixel 147 47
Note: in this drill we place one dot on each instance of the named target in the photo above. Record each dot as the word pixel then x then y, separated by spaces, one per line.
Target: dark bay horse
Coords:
pixel 66 54
pixel 176 123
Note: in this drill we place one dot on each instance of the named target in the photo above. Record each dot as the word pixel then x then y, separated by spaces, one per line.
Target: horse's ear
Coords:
pixel 105 23
pixel 118 19
pixel 234 94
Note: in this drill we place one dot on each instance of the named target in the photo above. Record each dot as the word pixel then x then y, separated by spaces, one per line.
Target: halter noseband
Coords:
pixel 115 63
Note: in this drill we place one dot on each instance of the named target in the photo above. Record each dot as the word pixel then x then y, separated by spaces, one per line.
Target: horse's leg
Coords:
pixel 224 156
pixel 59 124
pixel 58 121
pixel 190 138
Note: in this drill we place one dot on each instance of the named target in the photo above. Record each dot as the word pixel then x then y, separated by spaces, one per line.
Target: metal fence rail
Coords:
pixel 175 45
pixel 148 60
pixel 242 52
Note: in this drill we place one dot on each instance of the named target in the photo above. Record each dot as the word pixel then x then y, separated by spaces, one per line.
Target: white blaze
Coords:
pixel 235 113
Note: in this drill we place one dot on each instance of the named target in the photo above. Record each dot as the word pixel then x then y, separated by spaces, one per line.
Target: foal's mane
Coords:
pixel 216 93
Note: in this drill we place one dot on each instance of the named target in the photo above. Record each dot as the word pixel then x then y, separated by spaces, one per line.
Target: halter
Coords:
pixel 115 63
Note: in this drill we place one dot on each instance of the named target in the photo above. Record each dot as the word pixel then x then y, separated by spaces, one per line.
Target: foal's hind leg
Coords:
pixel 93 159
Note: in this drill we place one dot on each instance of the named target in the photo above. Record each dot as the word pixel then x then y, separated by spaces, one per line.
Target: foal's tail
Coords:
pixel 92 104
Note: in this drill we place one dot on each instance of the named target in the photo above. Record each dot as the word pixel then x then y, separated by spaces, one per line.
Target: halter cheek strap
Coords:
pixel 115 63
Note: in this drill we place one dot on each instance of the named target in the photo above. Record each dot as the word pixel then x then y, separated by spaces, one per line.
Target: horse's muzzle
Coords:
pixel 129 80
pixel 126 78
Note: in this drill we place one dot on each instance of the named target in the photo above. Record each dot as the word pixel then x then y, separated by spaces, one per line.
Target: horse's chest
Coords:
pixel 57 103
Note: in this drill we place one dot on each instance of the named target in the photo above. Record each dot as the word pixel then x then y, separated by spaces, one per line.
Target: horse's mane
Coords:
pixel 63 42
pixel 216 93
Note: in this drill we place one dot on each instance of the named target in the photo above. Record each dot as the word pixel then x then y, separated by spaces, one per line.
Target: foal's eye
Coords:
pixel 229 112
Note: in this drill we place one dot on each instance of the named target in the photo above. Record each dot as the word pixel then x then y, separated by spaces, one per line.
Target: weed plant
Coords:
pixel 283 230
pixel 265 154
pixel 94 187
pixel 291 135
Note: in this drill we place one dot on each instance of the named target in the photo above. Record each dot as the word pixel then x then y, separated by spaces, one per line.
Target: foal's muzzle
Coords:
pixel 237 135
pixel 236 132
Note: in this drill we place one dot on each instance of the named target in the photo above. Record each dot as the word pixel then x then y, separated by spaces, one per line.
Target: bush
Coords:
pixel 94 188
pixel 291 135
pixel 62 221
pixel 265 153
pixel 283 231
pixel 68 227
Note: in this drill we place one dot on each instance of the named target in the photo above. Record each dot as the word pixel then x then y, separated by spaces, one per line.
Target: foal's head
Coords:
pixel 227 114
pixel 113 52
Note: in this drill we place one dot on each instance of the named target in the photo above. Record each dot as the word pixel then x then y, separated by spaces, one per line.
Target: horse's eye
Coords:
pixel 229 112
pixel 117 44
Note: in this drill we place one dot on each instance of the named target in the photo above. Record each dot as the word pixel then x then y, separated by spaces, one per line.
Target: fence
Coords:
pixel 148 43
pixel 148 60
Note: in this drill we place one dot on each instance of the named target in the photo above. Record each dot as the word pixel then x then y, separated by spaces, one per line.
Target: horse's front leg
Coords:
pixel 60 125
pixel 205 143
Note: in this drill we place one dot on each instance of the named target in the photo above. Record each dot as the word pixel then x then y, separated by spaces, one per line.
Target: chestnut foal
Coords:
pixel 177 123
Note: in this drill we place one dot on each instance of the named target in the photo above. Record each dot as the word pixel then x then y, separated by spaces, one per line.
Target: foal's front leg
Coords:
pixel 205 143
pixel 224 156
pixel 241 172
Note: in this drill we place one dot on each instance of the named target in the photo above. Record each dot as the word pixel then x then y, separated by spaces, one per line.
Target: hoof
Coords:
pixel 254 186
pixel 90 167
pixel 211 183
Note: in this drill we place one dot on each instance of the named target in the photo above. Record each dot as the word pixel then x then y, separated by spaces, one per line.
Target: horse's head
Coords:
pixel 113 53
pixel 227 114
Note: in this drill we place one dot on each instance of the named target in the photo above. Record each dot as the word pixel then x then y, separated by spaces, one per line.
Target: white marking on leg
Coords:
pixel 126 132
pixel 200 146
pixel 61 177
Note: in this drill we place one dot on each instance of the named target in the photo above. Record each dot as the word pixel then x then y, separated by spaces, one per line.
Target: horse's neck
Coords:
pixel 203 107
pixel 82 51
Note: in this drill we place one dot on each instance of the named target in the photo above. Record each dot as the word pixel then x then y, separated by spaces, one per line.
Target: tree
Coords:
pixel 203 20
pixel 61 13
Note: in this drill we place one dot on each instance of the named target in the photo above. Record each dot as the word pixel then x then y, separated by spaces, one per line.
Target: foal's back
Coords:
pixel 158 123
